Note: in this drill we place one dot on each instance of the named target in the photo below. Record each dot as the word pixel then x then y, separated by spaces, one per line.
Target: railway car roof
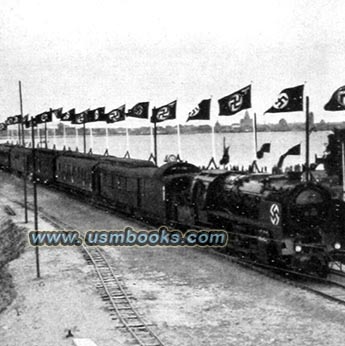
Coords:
pixel 169 169
pixel 108 158
pixel 21 149
pixel 80 162
pixel 127 171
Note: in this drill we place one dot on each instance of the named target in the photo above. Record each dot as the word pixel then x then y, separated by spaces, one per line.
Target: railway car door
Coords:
pixel 139 192
pixel 96 181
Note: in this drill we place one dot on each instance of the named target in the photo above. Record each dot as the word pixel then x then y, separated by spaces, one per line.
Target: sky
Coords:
pixel 88 54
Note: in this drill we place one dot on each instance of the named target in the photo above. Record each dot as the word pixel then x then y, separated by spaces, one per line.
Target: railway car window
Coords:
pixel 309 197
pixel 131 185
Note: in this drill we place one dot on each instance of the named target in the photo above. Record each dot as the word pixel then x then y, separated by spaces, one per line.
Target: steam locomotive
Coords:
pixel 272 218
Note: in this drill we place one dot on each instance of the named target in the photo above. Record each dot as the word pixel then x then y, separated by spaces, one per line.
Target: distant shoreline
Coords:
pixel 172 130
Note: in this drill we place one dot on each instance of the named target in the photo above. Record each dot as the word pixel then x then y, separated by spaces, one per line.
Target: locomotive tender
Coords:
pixel 271 218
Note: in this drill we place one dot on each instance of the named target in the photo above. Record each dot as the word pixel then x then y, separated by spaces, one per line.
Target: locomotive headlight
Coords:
pixel 298 248
pixel 337 246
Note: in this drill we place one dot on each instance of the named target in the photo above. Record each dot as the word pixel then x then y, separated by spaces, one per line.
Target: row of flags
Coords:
pixel 288 100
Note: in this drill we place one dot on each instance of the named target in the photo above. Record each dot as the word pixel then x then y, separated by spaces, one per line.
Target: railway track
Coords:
pixel 128 318
pixel 327 288
pixel 111 288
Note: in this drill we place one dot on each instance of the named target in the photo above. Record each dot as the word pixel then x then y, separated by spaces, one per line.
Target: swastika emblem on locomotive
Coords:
pixel 275 214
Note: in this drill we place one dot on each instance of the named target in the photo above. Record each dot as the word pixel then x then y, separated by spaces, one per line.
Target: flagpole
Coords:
pixel 46 135
pixel 155 137
pixel 34 182
pixel 84 137
pixel 343 167
pixel 21 112
pixel 127 139
pixel 178 140
pixel 91 139
pixel 55 136
pixel 23 142
pixel 213 139
pixel 307 139
pixel 255 136
pixel 18 134
pixel 64 135
pixel 76 137
pixel 151 140
pixel 106 138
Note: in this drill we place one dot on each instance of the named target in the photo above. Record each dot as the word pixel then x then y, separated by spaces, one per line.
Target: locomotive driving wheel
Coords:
pixel 318 266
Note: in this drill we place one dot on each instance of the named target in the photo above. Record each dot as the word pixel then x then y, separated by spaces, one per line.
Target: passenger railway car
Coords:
pixel 77 171
pixel 5 156
pixel 150 192
pixel 45 165
pixel 21 160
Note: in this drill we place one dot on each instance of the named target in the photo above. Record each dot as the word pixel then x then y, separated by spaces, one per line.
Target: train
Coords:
pixel 272 219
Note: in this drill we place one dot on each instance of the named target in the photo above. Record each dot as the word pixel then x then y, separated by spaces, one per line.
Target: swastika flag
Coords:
pixel 81 118
pixel 201 112
pixel 116 115
pixel 337 101
pixel 289 100
pixel 44 117
pixel 68 116
pixel 235 102
pixel 140 110
pixel 265 148
pixel 166 112
pixel 16 119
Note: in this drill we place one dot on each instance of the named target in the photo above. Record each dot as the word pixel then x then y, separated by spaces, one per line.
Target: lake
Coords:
pixel 197 148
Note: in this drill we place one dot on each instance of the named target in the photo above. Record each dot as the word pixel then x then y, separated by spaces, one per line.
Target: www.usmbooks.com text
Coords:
pixel 130 237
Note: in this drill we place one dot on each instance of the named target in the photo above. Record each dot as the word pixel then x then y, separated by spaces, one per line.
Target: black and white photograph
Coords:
pixel 172 172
